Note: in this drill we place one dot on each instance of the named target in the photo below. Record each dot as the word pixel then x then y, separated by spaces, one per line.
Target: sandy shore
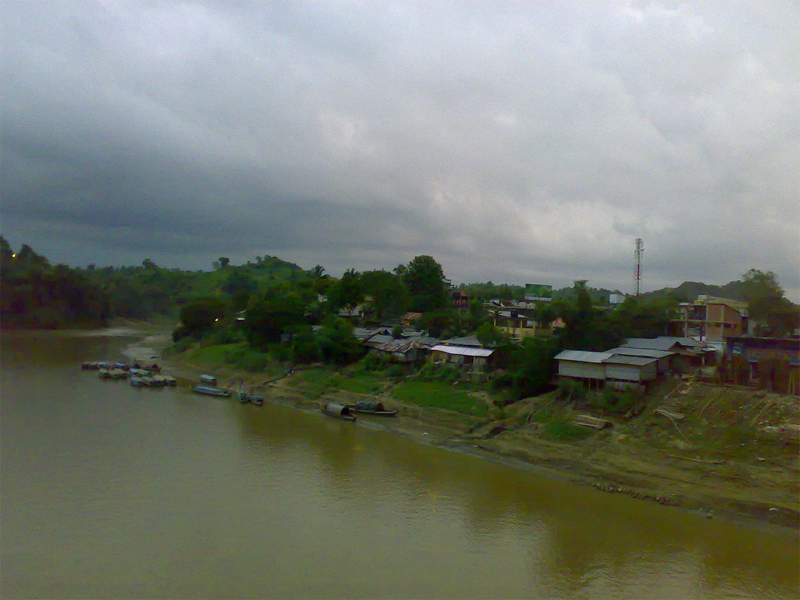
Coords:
pixel 763 494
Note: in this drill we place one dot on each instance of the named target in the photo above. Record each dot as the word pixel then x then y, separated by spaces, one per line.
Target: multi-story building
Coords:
pixel 711 319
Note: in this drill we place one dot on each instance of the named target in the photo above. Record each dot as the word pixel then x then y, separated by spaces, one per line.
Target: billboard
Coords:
pixel 539 292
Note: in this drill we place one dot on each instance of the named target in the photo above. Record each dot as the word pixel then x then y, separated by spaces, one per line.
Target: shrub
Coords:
pixel 183 344
pixel 571 389
pixel 223 335
pixel 439 372
pixel 395 371
pixel 612 401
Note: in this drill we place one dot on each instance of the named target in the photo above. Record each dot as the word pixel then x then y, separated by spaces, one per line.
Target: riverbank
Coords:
pixel 708 454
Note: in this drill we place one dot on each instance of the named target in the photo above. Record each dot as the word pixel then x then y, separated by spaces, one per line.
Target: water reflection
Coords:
pixel 578 539
pixel 110 491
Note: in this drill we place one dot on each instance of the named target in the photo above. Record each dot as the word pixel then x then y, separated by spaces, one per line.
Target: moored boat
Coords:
pixel 208 380
pixel 338 411
pixel 210 391
pixel 145 381
pixel 255 399
pixel 246 396
pixel 112 374
pixel 371 408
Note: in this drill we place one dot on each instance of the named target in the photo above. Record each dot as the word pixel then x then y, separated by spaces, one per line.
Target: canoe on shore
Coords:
pixel 210 391
pixel 371 408
pixel 338 411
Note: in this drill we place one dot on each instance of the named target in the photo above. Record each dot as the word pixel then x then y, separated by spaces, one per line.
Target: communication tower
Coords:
pixel 637 274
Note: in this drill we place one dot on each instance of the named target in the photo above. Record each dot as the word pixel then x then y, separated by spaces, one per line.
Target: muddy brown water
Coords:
pixel 109 491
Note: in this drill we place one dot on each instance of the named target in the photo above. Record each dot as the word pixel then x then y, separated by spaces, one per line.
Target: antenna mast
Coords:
pixel 637 274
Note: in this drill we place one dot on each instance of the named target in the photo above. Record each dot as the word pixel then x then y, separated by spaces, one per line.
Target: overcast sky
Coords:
pixel 517 142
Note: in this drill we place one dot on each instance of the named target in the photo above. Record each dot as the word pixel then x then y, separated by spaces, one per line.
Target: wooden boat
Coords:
pixel 208 380
pixel 371 408
pixel 112 374
pixel 94 365
pixel 338 411
pixel 143 381
pixel 210 391
pixel 252 399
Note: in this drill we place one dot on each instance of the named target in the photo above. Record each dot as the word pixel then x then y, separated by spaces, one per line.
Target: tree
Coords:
pixel 199 316
pixel 318 273
pixel 477 314
pixel 426 284
pixel 437 322
pixel 586 328
pixel 489 335
pixel 775 314
pixel 337 344
pixel 271 317
pixel 388 292
pixel 239 286
pixel 637 318
pixel 347 292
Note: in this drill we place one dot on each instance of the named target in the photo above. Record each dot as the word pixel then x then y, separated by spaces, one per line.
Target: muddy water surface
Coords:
pixel 114 492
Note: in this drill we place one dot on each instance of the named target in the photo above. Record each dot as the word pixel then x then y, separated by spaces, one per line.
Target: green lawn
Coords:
pixel 440 395
pixel 364 383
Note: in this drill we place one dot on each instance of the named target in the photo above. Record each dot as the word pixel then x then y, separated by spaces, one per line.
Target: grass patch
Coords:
pixel 316 382
pixel 562 429
pixel 212 355
pixel 362 384
pixel 440 395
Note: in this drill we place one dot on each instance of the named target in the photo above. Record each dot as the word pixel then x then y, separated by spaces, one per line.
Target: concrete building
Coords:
pixel 711 319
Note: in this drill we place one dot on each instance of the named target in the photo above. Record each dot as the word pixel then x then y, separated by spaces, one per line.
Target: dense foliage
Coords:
pixel 271 308
pixel 36 294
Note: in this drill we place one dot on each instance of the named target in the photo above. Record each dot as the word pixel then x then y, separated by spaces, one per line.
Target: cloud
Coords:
pixel 512 141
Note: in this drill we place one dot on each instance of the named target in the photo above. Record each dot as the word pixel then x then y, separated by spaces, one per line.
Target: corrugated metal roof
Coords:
pixel 398 345
pixel 661 343
pixel 469 340
pixel 583 356
pixel 463 351
pixel 640 352
pixel 639 361
pixel 379 339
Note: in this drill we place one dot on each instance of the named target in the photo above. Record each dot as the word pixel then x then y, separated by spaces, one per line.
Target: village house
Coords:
pixel 600 369
pixel 467 357
pixel 686 351
pixel 663 357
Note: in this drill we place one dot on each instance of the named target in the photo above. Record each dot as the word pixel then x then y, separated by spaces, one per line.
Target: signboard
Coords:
pixel 539 292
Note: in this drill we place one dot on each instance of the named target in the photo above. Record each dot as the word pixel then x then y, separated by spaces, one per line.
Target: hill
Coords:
pixel 688 291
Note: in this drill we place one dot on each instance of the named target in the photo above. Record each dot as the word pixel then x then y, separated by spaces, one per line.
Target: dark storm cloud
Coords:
pixel 513 141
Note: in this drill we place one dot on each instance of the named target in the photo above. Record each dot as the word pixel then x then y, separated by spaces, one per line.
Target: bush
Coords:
pixel 222 336
pixel 612 401
pixel 280 352
pixel 183 344
pixel 570 389
pixel 439 372
pixel 395 371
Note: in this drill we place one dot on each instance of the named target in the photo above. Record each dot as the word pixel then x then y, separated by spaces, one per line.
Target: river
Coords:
pixel 109 491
